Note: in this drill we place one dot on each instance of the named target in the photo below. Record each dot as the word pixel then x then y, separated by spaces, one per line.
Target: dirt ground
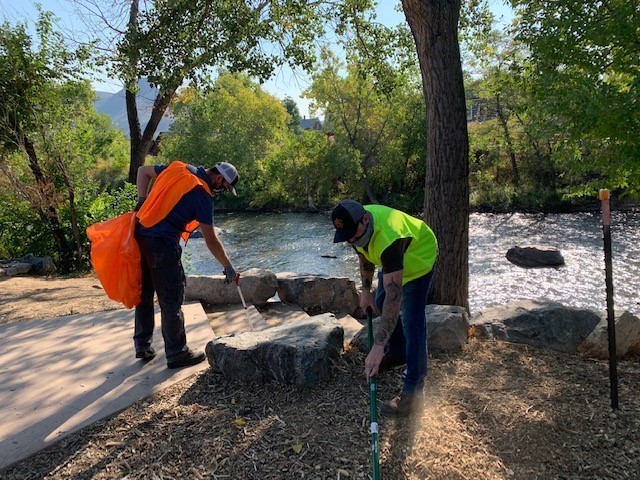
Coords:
pixel 495 411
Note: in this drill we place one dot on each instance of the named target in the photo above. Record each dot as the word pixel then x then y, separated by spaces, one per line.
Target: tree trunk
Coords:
pixel 434 25
pixel 72 211
pixel 366 185
pixel 310 204
pixel 46 207
pixel 137 156
pixel 141 141
pixel 507 136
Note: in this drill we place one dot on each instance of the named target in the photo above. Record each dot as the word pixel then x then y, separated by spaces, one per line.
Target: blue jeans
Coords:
pixel 163 274
pixel 409 338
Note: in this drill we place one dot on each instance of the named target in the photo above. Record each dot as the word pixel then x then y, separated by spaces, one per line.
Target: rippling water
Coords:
pixel 300 242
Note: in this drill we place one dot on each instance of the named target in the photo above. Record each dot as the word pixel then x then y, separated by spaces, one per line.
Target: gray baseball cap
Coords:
pixel 229 173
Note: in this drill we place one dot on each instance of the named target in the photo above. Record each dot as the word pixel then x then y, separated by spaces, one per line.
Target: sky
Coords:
pixel 284 82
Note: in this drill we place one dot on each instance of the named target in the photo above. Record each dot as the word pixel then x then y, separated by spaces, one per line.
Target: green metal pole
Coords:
pixel 373 409
pixel 611 319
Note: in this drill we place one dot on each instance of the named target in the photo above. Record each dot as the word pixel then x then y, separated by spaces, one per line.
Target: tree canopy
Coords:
pixel 584 72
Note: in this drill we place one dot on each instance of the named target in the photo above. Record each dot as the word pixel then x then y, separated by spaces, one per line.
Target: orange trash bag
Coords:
pixel 115 256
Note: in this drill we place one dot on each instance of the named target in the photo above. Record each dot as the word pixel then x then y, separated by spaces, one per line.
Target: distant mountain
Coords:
pixel 114 105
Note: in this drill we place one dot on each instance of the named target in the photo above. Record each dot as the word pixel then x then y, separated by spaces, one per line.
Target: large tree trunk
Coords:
pixel 141 141
pixel 434 25
pixel 136 155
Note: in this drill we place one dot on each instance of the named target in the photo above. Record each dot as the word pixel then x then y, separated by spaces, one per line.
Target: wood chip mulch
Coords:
pixel 496 411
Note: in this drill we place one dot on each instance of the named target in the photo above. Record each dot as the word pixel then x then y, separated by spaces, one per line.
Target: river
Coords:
pixel 302 242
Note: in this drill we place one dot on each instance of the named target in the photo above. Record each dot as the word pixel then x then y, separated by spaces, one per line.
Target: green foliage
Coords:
pixel 233 121
pixel 307 171
pixel 294 114
pixel 584 73
pixel 111 203
pixel 53 146
pixel 383 129
pixel 542 109
pixel 29 76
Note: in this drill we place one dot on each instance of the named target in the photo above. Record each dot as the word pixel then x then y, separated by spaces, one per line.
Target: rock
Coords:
pixel 257 286
pixel 634 349
pixel 293 354
pixel 40 265
pixel 538 323
pixel 28 264
pixel 596 345
pixel 535 256
pixel 17 268
pixel 447 329
pixel 317 293
pixel 361 339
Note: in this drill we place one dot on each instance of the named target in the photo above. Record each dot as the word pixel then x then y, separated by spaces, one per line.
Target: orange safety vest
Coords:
pixel 170 186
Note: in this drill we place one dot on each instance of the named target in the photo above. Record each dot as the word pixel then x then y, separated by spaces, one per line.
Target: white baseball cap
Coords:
pixel 229 173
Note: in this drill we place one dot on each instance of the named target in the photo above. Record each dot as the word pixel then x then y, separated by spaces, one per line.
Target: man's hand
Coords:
pixel 229 274
pixel 367 299
pixel 372 362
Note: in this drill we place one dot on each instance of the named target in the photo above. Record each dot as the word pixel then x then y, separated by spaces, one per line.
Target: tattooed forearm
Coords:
pixel 366 272
pixel 385 329
pixel 390 311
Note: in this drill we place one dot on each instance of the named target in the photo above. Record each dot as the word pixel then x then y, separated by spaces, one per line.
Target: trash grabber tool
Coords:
pixel 237 282
pixel 244 304
pixel 373 408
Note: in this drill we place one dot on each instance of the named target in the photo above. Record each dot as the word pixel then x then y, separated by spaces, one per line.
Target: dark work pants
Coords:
pixel 410 335
pixel 163 274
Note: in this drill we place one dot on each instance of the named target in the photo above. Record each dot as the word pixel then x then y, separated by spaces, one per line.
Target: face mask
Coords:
pixel 217 193
pixel 365 237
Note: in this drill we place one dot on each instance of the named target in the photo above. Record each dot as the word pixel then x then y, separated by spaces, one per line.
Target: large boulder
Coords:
pixel 11 269
pixel 257 287
pixel 318 294
pixel 447 329
pixel 298 353
pixel 627 338
pixel 538 323
pixel 535 256
pixel 27 264
pixel 40 265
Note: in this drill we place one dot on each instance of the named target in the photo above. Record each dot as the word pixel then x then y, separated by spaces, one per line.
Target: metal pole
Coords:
pixel 611 319
pixel 373 409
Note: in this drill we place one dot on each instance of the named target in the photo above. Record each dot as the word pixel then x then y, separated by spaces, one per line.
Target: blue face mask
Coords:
pixel 363 240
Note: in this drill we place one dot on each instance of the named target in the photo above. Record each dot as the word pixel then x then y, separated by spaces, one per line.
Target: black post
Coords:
pixel 611 319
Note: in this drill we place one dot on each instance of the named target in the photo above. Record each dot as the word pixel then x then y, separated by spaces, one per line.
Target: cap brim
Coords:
pixel 341 236
pixel 233 190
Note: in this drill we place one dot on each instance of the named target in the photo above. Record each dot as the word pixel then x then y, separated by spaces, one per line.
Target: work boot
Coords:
pixel 146 353
pixel 186 358
pixel 401 406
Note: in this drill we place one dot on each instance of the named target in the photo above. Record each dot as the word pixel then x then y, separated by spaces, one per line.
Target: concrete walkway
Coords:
pixel 62 374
